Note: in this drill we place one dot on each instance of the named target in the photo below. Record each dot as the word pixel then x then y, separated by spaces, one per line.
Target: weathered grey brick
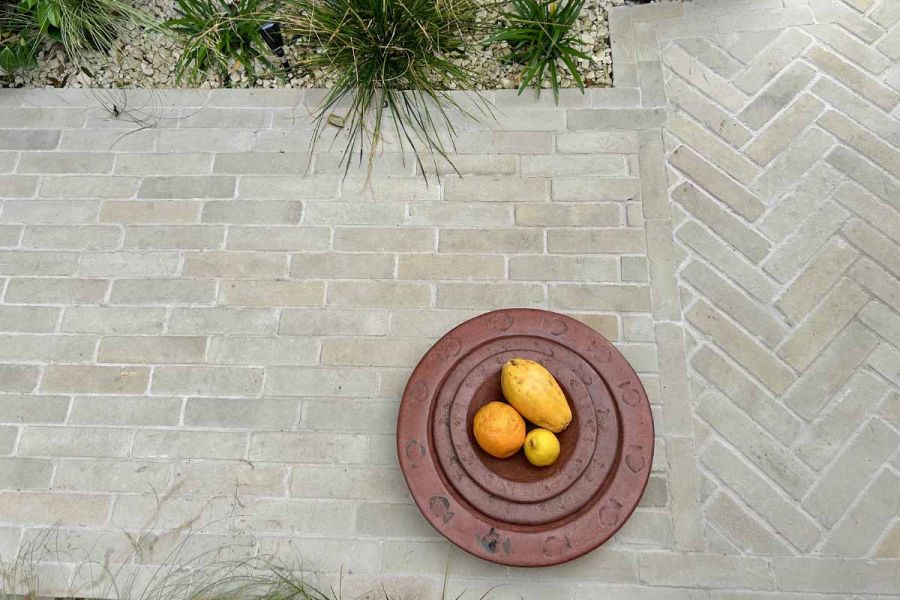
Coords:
pixel 95 380
pixel 298 187
pixel 65 162
pixel 8 437
pixel 372 239
pixel 29 408
pixel 135 511
pixel 491 241
pixel 820 326
pixel 69 441
pixel 173 443
pixel 17 186
pixel 365 352
pixel 25 474
pixel 150 211
pixel 741 308
pixel 222 320
pixel 163 291
pixel 627 298
pixel 745 350
pixel 776 95
pixel 37 263
pixel 596 241
pixel 187 186
pixel 18 378
pixel 29 139
pixel 852 77
pixel 234 265
pixel 555 165
pixel 717 184
pixel 729 160
pixel 595 189
pixel 230 478
pixel 157 349
pixel 386 521
pixel 587 119
pixel 111 476
pixel 368 483
pixel 569 215
pixel 311 381
pixel 212 140
pixel 308 447
pixel 125 410
pixel 744 392
pixel 460 214
pixel 563 268
pixel 183 163
pixel 277 238
pixel 88 186
pixel 242 413
pixel 315 517
pixel 450 266
pixel 86 319
pixel 604 142
pixel 61 237
pixel 784 128
pixel 271 293
pixel 488 295
pixel 287 163
pixel 54 509
pixel 496 189
pixel 27 319
pixel 63 212
pixel 333 322
pixel 129 264
pixel 261 351
pixel 207 381
pixel 28 347
pixel 193 237
pixel 377 294
pixel 341 266
pixel 252 212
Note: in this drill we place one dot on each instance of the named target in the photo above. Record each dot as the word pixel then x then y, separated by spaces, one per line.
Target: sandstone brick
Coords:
pixel 852 77
pixel 271 293
pixel 65 162
pixel 561 165
pixel 17 186
pixel 835 575
pixel 596 241
pixel 459 214
pixel 125 410
pixel 427 323
pixel 182 163
pixel 222 320
pixel 88 186
pixel 816 279
pixel 587 119
pixel 287 186
pixel 63 212
pixel 604 142
pixel 186 186
pixel 17 262
pixel 746 531
pixel 727 159
pixel 287 163
pixel 158 349
pixel 29 319
pixel 595 189
pixel 237 265
pixel 263 212
pixel 717 184
pixel 568 215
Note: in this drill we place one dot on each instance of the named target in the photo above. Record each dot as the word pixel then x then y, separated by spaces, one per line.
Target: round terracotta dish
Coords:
pixel 506 510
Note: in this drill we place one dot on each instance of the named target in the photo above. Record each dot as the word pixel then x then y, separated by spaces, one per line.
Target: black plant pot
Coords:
pixel 271 34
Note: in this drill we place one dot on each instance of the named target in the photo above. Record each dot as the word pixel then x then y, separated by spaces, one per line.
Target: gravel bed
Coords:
pixel 147 59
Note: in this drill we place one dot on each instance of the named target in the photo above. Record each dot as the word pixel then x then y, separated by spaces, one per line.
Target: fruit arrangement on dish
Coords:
pixel 532 394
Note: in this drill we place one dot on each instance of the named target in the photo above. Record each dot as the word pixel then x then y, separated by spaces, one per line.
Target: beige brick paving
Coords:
pixel 204 328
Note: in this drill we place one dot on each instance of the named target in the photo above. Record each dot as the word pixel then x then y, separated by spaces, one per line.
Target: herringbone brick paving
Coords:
pixel 204 331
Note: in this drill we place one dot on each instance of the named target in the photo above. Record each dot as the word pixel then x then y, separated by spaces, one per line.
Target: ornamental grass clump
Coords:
pixel 390 61
pixel 540 35
pixel 220 35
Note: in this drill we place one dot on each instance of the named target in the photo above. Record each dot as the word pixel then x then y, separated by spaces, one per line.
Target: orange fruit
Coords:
pixel 499 429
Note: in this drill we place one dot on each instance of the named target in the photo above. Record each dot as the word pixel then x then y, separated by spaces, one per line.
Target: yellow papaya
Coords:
pixel 533 391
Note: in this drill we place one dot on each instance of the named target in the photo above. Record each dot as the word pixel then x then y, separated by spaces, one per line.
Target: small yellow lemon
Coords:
pixel 541 447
